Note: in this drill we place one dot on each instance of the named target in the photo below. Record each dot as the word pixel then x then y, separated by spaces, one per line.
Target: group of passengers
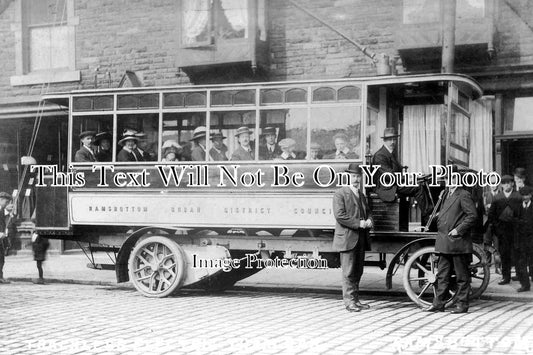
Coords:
pixel 96 147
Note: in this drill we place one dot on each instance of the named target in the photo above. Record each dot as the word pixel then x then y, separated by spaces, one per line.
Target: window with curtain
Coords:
pixel 47 34
pixel 206 21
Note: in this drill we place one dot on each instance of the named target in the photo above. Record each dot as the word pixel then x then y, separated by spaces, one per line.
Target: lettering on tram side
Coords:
pixel 252 261
pixel 197 175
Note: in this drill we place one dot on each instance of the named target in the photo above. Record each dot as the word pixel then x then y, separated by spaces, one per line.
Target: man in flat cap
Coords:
pixel 354 220
pixel 245 150
pixel 523 242
pixel 386 158
pixel 454 247
pixel 85 153
pixel 218 151
pixel 199 139
pixel 5 210
pixel 501 213
pixel 270 149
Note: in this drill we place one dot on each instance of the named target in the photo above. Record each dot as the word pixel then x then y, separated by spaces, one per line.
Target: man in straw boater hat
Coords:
pixel 454 246
pixel 245 150
pixel 218 151
pixel 103 141
pixel 386 158
pixel 198 138
pixel 270 149
pixel 353 221
pixel 85 153
pixel 129 152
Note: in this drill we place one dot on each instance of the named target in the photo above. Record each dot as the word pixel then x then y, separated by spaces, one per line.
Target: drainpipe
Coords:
pixel 448 35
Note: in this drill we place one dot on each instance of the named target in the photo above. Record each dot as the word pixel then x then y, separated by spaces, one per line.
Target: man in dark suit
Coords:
pixel 198 137
pixel 524 238
pixel 454 247
pixel 270 149
pixel 351 236
pixel 501 213
pixel 218 151
pixel 386 158
pixel 5 209
pixel 85 153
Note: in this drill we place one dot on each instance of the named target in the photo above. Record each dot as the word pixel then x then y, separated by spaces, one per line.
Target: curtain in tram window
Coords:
pixel 421 137
pixel 195 18
pixel 481 135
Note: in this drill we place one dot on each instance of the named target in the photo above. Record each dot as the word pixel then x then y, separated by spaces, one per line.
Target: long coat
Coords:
pixel 348 216
pixel 388 163
pixel 524 228
pixel 502 211
pixel 458 212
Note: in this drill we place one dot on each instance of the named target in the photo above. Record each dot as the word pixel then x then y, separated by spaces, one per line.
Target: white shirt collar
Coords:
pixel 89 149
pixel 526 205
pixel 390 151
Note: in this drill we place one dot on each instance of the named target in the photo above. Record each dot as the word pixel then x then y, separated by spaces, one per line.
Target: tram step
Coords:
pixel 101 266
pixel 107 249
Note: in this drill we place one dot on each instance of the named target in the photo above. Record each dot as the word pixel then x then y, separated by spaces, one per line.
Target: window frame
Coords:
pixel 23 74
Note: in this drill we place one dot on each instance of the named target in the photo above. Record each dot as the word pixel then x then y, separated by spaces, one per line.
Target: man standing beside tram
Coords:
pixel 386 158
pixel 353 222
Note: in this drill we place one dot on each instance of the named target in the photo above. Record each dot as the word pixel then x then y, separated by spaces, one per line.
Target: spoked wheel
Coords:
pixel 420 276
pixel 157 266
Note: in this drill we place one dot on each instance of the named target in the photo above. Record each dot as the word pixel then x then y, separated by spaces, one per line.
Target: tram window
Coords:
pixel 137 137
pixel 238 128
pixel 460 129
pixel 337 130
pixel 323 94
pixel 283 134
pixel 296 95
pixel 179 130
pixel 86 124
pixel 271 96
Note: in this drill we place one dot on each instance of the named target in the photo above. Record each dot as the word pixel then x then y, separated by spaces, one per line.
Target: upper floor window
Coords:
pixel 206 21
pixel 430 11
pixel 45 33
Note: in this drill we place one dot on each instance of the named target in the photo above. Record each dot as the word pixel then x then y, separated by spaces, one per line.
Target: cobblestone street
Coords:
pixel 76 319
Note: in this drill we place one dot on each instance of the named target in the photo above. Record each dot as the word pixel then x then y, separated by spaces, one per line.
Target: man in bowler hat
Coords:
pixel 354 220
pixel 386 158
pixel 85 153
pixel 270 149
pixel 218 151
pixel 454 246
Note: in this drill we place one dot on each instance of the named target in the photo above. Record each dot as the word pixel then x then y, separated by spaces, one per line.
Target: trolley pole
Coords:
pixel 448 35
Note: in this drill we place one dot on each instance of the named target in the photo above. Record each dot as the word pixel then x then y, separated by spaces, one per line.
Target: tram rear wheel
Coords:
pixel 420 276
pixel 157 266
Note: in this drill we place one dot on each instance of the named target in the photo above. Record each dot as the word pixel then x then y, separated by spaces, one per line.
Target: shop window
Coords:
pixel 45 34
pixel 523 106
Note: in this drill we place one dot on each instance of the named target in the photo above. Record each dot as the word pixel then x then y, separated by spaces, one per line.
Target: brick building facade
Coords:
pixel 107 43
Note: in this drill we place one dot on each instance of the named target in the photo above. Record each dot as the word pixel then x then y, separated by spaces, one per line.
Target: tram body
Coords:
pixel 159 220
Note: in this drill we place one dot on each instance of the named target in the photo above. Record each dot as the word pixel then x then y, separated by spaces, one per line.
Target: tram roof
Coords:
pixel 466 83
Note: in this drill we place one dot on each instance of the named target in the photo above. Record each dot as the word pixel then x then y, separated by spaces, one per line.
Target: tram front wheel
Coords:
pixel 157 266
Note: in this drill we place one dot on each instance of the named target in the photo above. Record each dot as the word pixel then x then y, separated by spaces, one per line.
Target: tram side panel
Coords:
pixel 51 210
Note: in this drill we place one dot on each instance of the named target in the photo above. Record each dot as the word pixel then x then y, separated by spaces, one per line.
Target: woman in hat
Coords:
pixel 85 153
pixel 219 149
pixel 287 146
pixel 103 142
pixel 128 153
pixel 171 151
pixel 198 138
pixel 245 150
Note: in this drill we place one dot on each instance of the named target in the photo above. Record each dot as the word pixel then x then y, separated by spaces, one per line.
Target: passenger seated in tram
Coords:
pixel 129 150
pixel 218 151
pixel 386 157
pixel 144 149
pixel 245 150
pixel 269 150
pixel 315 151
pixel 342 150
pixel 85 153
pixel 103 143
pixel 198 138
pixel 287 146
pixel 171 151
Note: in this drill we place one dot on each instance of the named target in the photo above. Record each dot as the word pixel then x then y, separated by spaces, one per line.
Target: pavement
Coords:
pixel 72 268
